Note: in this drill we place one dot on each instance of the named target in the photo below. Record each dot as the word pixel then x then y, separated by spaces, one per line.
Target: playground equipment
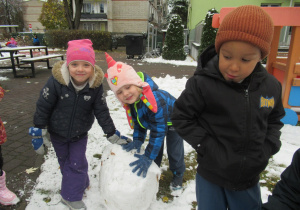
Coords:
pixel 285 68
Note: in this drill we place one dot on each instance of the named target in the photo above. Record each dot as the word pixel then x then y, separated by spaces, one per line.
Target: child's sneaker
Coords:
pixel 176 184
pixel 74 205
pixel 6 196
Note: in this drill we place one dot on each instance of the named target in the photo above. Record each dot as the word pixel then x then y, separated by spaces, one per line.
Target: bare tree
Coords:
pixel 11 13
pixel 73 19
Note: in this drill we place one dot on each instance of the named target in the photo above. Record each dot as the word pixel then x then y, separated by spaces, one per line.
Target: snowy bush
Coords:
pixel 173 46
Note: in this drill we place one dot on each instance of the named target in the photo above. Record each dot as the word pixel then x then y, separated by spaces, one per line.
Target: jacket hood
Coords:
pixel 208 63
pixel 61 73
pixel 146 78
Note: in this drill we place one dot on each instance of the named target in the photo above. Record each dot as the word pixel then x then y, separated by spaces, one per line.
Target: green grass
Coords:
pixel 270 181
pixel 164 191
pixel 97 156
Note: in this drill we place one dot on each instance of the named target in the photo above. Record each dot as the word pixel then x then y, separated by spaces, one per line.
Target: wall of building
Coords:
pixel 130 16
pixel 198 9
pixel 33 9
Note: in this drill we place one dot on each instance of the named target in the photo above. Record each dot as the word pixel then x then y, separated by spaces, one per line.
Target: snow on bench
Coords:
pixel 15 56
pixel 43 58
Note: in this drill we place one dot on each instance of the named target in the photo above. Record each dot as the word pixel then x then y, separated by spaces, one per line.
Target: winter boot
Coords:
pixel 177 181
pixel 6 196
pixel 176 184
pixel 74 205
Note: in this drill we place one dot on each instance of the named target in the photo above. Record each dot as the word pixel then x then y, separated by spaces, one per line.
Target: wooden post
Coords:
pixel 274 48
pixel 293 57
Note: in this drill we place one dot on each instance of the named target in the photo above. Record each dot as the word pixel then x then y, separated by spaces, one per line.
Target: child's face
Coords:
pixel 237 60
pixel 128 94
pixel 80 71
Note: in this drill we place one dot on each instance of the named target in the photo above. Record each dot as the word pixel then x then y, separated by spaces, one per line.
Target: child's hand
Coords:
pixel 133 145
pixel 39 139
pixel 117 138
pixel 142 165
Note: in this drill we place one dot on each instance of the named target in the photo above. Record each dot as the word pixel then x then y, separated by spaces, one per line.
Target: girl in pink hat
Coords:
pixel 67 107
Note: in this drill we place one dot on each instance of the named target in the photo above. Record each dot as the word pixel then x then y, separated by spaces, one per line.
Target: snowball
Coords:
pixel 122 189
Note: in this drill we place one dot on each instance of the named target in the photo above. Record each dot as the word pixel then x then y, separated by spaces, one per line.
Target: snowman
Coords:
pixel 120 187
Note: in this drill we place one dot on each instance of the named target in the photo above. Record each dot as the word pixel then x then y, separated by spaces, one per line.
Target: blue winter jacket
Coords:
pixel 157 123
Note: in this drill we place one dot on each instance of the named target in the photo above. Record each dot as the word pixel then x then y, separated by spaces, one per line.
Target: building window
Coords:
pixel 270 5
pixel 101 8
pixel 86 8
pixel 92 9
pixel 85 26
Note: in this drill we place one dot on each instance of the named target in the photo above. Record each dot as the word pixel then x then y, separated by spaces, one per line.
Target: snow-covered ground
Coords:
pixel 46 192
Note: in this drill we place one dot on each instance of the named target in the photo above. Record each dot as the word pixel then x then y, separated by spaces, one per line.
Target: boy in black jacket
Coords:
pixel 230 112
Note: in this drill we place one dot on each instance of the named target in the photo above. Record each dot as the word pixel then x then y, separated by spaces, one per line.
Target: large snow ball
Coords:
pixel 122 189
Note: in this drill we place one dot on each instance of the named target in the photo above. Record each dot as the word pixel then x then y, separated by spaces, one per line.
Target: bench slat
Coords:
pixel 44 58
pixel 41 58
pixel 15 56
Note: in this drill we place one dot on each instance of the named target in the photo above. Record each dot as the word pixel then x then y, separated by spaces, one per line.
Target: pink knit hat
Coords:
pixel 120 74
pixel 81 49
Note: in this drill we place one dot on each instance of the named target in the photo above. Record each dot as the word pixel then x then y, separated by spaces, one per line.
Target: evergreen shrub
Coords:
pixel 173 45
pixel 208 33
pixel 102 40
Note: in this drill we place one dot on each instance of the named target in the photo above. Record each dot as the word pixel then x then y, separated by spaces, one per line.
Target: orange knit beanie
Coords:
pixel 247 23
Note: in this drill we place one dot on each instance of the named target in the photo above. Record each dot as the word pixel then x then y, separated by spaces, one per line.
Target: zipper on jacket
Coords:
pixel 137 114
pixel 248 112
pixel 248 126
pixel 72 118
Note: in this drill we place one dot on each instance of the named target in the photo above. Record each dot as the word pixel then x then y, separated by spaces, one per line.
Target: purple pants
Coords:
pixel 73 166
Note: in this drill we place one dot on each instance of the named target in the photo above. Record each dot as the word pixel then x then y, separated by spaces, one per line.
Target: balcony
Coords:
pixel 93 16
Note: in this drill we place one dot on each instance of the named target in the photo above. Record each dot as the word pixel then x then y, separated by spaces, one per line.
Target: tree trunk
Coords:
pixel 73 23
pixel 68 14
pixel 79 4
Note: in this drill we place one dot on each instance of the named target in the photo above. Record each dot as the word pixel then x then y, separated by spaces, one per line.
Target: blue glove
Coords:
pixel 142 164
pixel 39 139
pixel 117 138
pixel 133 145
pixel 33 131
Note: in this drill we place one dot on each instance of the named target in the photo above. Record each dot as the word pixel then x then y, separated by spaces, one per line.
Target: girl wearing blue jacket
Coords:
pixel 147 108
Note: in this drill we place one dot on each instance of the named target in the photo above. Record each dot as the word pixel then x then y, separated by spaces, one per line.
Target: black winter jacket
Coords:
pixel 68 114
pixel 235 128
pixel 286 194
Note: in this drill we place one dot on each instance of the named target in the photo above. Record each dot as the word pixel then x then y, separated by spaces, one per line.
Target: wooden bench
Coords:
pixel 44 58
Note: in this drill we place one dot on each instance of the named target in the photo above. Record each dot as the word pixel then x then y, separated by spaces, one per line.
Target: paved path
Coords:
pixel 17 109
